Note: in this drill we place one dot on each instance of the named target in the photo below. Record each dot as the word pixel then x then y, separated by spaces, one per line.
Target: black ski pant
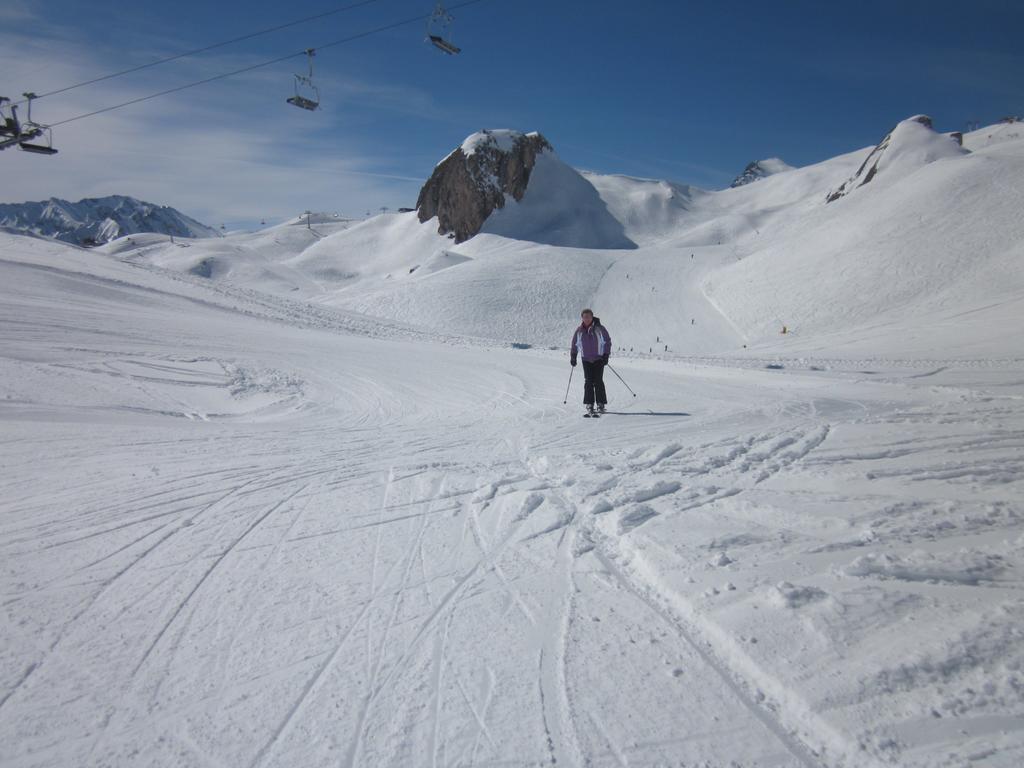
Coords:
pixel 593 382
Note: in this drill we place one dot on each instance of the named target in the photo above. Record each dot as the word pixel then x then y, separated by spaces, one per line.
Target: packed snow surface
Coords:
pixel 311 497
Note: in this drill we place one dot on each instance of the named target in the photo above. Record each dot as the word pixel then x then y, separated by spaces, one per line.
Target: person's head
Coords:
pixel 588 316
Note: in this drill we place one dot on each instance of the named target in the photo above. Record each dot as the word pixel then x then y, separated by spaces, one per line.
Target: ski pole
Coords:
pixel 571 372
pixel 622 380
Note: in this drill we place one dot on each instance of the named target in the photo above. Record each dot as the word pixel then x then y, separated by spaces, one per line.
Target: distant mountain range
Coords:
pixel 98 220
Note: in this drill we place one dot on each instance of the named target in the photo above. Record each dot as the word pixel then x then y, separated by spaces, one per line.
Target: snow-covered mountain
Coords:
pixel 759 169
pixel 513 184
pixel 97 220
pixel 910 145
pixel 701 271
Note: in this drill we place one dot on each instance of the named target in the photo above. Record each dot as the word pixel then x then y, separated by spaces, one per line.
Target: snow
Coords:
pixel 561 208
pixel 940 244
pixel 310 505
pixel 773 165
pixel 649 210
pixel 993 134
pixel 502 139
pixel 909 146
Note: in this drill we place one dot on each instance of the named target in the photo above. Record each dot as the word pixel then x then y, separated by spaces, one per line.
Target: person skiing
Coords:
pixel 592 342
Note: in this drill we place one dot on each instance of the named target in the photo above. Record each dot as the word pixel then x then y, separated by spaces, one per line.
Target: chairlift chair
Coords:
pixel 305 82
pixel 439 30
pixel 12 132
pixel 40 149
pixel 444 45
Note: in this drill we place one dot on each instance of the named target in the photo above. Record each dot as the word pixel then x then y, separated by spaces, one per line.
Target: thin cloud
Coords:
pixel 657 164
pixel 17 10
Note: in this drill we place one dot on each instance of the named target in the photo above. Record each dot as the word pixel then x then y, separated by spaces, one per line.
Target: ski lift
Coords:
pixel 14 132
pixel 438 30
pixel 305 83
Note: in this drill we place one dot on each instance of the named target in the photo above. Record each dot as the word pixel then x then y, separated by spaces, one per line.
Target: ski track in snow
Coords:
pixel 372 545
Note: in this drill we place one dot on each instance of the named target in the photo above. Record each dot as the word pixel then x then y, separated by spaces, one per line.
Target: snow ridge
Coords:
pixel 909 146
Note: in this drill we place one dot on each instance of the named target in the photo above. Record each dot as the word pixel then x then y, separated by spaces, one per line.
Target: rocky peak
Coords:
pixel 472 182
pixel 758 170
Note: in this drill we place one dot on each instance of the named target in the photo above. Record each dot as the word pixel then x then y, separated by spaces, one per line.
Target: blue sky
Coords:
pixel 689 91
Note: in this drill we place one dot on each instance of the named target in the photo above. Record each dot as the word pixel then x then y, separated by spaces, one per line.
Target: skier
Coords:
pixel 592 342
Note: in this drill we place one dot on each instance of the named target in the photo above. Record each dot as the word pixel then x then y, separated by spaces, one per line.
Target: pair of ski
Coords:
pixel 592 414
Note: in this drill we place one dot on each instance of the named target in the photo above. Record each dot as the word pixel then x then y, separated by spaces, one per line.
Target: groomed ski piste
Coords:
pixel 311 497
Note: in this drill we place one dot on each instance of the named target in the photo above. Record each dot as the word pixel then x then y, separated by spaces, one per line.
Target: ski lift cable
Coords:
pixel 260 65
pixel 186 54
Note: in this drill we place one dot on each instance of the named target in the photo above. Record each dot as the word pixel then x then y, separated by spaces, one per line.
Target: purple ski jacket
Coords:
pixel 591 343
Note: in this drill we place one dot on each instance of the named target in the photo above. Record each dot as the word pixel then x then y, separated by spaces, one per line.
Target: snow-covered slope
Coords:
pixel 1006 130
pixel 99 220
pixel 238 529
pixel 260 259
pixel 648 209
pixel 929 254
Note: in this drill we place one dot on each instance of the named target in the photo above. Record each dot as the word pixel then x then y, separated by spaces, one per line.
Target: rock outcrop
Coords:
pixel 472 182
